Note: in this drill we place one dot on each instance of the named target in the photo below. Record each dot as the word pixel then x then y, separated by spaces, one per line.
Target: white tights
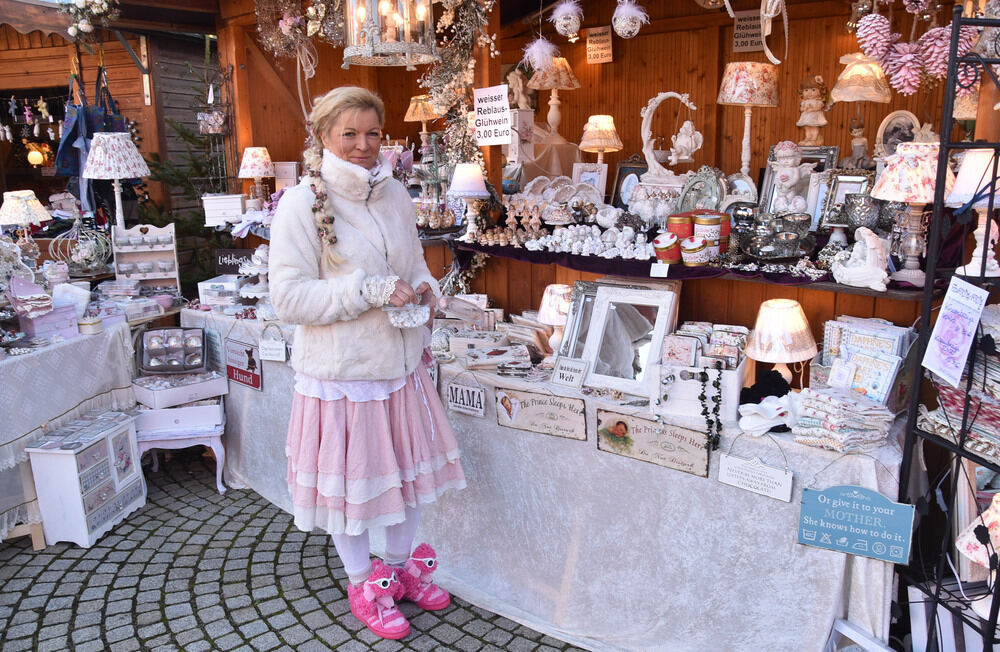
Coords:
pixel 353 549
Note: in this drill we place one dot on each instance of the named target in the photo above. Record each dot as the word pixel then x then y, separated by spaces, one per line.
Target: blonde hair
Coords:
pixel 326 110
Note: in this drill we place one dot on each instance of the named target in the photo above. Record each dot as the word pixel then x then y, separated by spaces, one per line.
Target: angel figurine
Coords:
pixel 517 84
pixel 12 107
pixel 866 266
pixel 789 170
pixel 685 143
pixel 43 109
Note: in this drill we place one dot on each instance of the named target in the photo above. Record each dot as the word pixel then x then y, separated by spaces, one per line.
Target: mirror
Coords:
pixel 625 335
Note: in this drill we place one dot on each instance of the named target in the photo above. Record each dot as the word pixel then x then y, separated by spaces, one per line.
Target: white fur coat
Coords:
pixel 339 335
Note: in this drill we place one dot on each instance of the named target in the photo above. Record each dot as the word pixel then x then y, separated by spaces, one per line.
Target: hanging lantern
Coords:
pixel 389 33
pixel 567 17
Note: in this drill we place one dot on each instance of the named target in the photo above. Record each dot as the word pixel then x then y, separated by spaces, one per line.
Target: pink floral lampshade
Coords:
pixel 256 163
pixel 749 83
pixel 969 545
pixel 113 155
pixel 910 174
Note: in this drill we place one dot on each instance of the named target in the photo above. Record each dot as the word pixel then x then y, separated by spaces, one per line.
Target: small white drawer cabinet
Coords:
pixel 85 491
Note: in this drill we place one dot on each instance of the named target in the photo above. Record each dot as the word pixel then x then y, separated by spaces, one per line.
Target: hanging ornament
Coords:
pixel 905 66
pixel 52 134
pixel 567 17
pixel 628 18
pixel 3 133
pixel 25 132
pixel 540 53
pixel 934 51
pixel 29 116
pixel 38 129
pixel 12 107
pixel 874 36
pixel 60 129
pixel 43 109
pixel 916 6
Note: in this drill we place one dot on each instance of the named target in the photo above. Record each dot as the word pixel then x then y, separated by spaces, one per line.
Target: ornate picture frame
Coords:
pixel 843 182
pixel 592 174
pixel 897 127
pixel 825 157
pixel 706 188
pixel 627 176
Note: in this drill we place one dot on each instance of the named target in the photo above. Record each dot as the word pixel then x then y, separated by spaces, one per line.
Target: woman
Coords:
pixel 368 439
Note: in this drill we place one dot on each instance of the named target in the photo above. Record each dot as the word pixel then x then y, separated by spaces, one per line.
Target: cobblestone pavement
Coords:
pixel 195 571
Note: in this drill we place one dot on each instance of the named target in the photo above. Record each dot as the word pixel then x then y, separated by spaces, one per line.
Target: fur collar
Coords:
pixel 352 181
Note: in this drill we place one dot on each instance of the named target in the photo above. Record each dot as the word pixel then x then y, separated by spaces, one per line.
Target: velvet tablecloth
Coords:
pixel 612 553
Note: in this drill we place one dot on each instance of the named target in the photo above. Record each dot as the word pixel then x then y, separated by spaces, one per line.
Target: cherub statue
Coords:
pixel 685 143
pixel 788 172
pixel 866 265
pixel 517 84
pixel 814 104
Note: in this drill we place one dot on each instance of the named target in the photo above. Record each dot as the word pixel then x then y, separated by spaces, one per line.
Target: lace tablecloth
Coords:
pixel 50 387
pixel 612 553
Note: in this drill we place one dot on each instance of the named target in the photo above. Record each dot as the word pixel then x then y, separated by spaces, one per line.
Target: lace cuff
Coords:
pixel 378 289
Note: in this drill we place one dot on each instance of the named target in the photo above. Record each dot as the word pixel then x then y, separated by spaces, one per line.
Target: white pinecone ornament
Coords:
pixel 875 36
pixel 934 51
pixel 905 65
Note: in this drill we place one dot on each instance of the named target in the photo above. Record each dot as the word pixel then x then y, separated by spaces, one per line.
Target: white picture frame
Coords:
pixel 592 174
pixel 607 300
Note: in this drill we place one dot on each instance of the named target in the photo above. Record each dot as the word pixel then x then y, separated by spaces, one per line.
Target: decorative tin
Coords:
pixel 667 247
pixel 694 251
pixel 680 225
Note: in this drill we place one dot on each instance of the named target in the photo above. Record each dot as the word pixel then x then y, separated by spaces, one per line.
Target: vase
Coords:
pixel 860 211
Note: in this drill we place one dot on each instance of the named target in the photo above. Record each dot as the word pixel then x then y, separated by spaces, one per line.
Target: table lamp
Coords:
pixel 748 84
pixel 468 183
pixel 420 110
pixel 909 177
pixel 255 165
pixel 114 156
pixel 781 336
pixel 557 77
pixel 553 311
pixel 981 548
pixel 862 80
pixel 21 208
pixel 599 136
pixel 975 186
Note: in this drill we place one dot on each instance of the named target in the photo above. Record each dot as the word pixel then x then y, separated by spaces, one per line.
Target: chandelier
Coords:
pixel 389 33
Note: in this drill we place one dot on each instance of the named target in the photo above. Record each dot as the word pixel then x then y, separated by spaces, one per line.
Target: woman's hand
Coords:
pixel 427 297
pixel 403 294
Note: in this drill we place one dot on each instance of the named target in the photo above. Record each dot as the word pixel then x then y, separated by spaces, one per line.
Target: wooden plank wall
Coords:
pixel 687 54
pixel 34 61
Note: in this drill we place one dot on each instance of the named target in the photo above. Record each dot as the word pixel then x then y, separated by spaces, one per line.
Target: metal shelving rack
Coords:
pixel 932 587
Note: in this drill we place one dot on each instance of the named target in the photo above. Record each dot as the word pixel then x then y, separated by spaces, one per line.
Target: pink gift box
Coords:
pixel 59 319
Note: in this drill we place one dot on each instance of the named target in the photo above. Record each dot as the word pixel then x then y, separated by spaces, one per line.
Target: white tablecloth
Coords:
pixel 50 387
pixel 613 553
pixel 256 421
pixel 603 551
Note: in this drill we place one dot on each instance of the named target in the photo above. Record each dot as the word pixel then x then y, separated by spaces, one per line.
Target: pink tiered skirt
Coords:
pixel 357 465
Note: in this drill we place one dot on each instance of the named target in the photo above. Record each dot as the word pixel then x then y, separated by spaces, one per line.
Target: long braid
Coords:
pixel 312 157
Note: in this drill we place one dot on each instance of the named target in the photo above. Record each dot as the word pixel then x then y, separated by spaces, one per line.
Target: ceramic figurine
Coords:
pixel 788 172
pixel 866 266
pixel 517 84
pixel 685 143
pixel 52 134
pixel 859 158
pixel 815 103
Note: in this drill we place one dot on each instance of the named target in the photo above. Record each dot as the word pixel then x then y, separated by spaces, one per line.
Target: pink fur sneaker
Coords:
pixel 374 603
pixel 416 578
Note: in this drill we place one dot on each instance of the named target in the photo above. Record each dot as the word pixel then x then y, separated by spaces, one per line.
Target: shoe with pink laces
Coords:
pixel 416 578
pixel 374 603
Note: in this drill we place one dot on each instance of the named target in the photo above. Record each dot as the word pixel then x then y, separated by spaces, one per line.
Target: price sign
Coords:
pixel 746 32
pixel 492 115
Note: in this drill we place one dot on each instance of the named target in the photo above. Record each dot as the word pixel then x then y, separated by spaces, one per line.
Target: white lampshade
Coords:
pixel 555 305
pixel 256 163
pixel 21 208
pixel 861 81
pixel 558 76
pixel 467 181
pixel 749 83
pixel 910 174
pixel 781 334
pixel 420 109
pixel 113 155
pixel 599 135
pixel 976 173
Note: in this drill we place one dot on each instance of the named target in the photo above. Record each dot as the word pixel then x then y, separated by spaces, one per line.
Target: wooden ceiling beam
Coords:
pixel 191 6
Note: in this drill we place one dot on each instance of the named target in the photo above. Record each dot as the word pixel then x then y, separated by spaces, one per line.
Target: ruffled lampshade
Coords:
pixel 862 80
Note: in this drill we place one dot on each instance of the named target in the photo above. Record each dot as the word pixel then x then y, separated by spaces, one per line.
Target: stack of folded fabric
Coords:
pixel 840 420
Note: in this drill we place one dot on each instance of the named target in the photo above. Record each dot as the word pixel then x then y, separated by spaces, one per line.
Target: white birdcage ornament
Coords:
pixel 389 33
pixel 84 249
